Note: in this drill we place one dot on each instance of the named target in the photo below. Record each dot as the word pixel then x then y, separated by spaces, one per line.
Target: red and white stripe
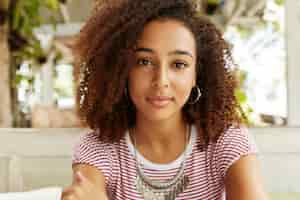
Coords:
pixel 206 168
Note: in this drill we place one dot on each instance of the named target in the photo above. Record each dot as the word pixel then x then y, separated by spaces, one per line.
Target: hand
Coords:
pixel 82 189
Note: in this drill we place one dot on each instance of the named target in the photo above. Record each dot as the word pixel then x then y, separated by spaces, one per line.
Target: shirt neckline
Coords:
pixel 157 166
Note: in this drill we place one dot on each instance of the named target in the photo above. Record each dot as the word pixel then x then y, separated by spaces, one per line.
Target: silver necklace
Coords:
pixel 161 190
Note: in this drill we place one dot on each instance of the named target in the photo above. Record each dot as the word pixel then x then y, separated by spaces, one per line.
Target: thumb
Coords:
pixel 79 177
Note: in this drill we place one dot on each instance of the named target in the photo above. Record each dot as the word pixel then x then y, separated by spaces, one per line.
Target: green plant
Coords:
pixel 242 96
pixel 24 17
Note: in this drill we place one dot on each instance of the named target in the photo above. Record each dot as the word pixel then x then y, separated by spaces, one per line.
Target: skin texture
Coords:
pixel 159 71
pixel 164 65
pixel 156 73
pixel 244 181
pixel 88 184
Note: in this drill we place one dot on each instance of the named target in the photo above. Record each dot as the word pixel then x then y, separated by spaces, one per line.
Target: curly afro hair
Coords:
pixel 104 44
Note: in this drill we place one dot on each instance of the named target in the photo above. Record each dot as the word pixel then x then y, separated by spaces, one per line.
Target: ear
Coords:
pixel 194 82
pixel 195 78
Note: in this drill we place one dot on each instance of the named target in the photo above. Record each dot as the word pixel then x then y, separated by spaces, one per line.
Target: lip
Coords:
pixel 159 101
pixel 160 98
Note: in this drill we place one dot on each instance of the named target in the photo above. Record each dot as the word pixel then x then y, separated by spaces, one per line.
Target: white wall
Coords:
pixel 293 60
pixel 34 158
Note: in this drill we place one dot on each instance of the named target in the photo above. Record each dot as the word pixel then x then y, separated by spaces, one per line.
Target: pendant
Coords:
pixel 149 193
pixel 146 192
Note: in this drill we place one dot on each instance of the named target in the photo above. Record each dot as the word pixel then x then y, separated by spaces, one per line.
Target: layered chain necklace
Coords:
pixel 162 190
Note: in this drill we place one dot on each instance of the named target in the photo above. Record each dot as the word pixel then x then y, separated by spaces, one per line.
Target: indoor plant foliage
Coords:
pixel 24 17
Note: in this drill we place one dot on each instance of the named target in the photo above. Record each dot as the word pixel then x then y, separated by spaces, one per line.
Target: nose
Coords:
pixel 161 77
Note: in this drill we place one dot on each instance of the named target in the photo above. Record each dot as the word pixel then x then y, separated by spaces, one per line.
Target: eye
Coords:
pixel 144 62
pixel 180 65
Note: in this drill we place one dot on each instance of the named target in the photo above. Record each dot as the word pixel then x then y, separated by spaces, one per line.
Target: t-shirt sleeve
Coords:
pixel 90 150
pixel 231 146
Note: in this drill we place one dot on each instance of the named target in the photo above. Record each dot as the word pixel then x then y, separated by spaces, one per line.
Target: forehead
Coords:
pixel 167 35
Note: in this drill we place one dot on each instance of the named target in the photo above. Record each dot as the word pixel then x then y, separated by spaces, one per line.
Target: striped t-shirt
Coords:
pixel 206 168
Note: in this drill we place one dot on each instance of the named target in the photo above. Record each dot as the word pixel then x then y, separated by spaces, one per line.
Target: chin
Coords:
pixel 159 115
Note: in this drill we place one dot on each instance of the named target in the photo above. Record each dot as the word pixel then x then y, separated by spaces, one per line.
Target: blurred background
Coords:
pixel 39 78
pixel 38 81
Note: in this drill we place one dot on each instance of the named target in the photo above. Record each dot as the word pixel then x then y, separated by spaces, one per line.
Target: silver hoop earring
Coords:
pixel 199 94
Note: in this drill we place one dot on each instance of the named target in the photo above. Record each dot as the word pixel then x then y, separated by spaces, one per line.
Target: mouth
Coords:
pixel 159 101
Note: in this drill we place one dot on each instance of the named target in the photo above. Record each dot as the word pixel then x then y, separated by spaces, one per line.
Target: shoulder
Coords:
pixel 232 145
pixel 89 149
pixel 240 166
pixel 91 139
pixel 236 138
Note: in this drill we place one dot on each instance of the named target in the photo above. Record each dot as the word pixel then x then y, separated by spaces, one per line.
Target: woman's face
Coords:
pixel 163 70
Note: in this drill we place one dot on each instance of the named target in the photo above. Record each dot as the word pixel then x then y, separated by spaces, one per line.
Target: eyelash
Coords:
pixel 181 63
pixel 142 60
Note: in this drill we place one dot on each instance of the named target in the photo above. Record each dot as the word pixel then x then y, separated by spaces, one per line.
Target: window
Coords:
pixel 260 54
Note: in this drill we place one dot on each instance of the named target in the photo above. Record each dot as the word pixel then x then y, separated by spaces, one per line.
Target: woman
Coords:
pixel 158 92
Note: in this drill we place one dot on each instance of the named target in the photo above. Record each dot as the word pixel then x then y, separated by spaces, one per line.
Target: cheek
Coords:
pixel 184 89
pixel 184 84
pixel 137 84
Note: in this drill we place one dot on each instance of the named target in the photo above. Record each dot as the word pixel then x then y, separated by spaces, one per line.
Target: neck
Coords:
pixel 158 136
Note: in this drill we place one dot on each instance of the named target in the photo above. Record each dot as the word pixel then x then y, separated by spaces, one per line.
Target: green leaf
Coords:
pixel 279 2
pixel 53 22
pixel 18 79
pixel 16 17
pixel 276 26
pixel 213 1
pixel 52 4
pixel 31 80
pixel 240 95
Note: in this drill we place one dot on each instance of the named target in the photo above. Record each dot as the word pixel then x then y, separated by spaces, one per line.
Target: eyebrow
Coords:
pixel 180 52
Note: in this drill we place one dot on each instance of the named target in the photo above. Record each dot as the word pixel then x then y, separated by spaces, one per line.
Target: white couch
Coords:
pixel 51 193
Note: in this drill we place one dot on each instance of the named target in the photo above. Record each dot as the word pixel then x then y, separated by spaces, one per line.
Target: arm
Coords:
pixel 243 180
